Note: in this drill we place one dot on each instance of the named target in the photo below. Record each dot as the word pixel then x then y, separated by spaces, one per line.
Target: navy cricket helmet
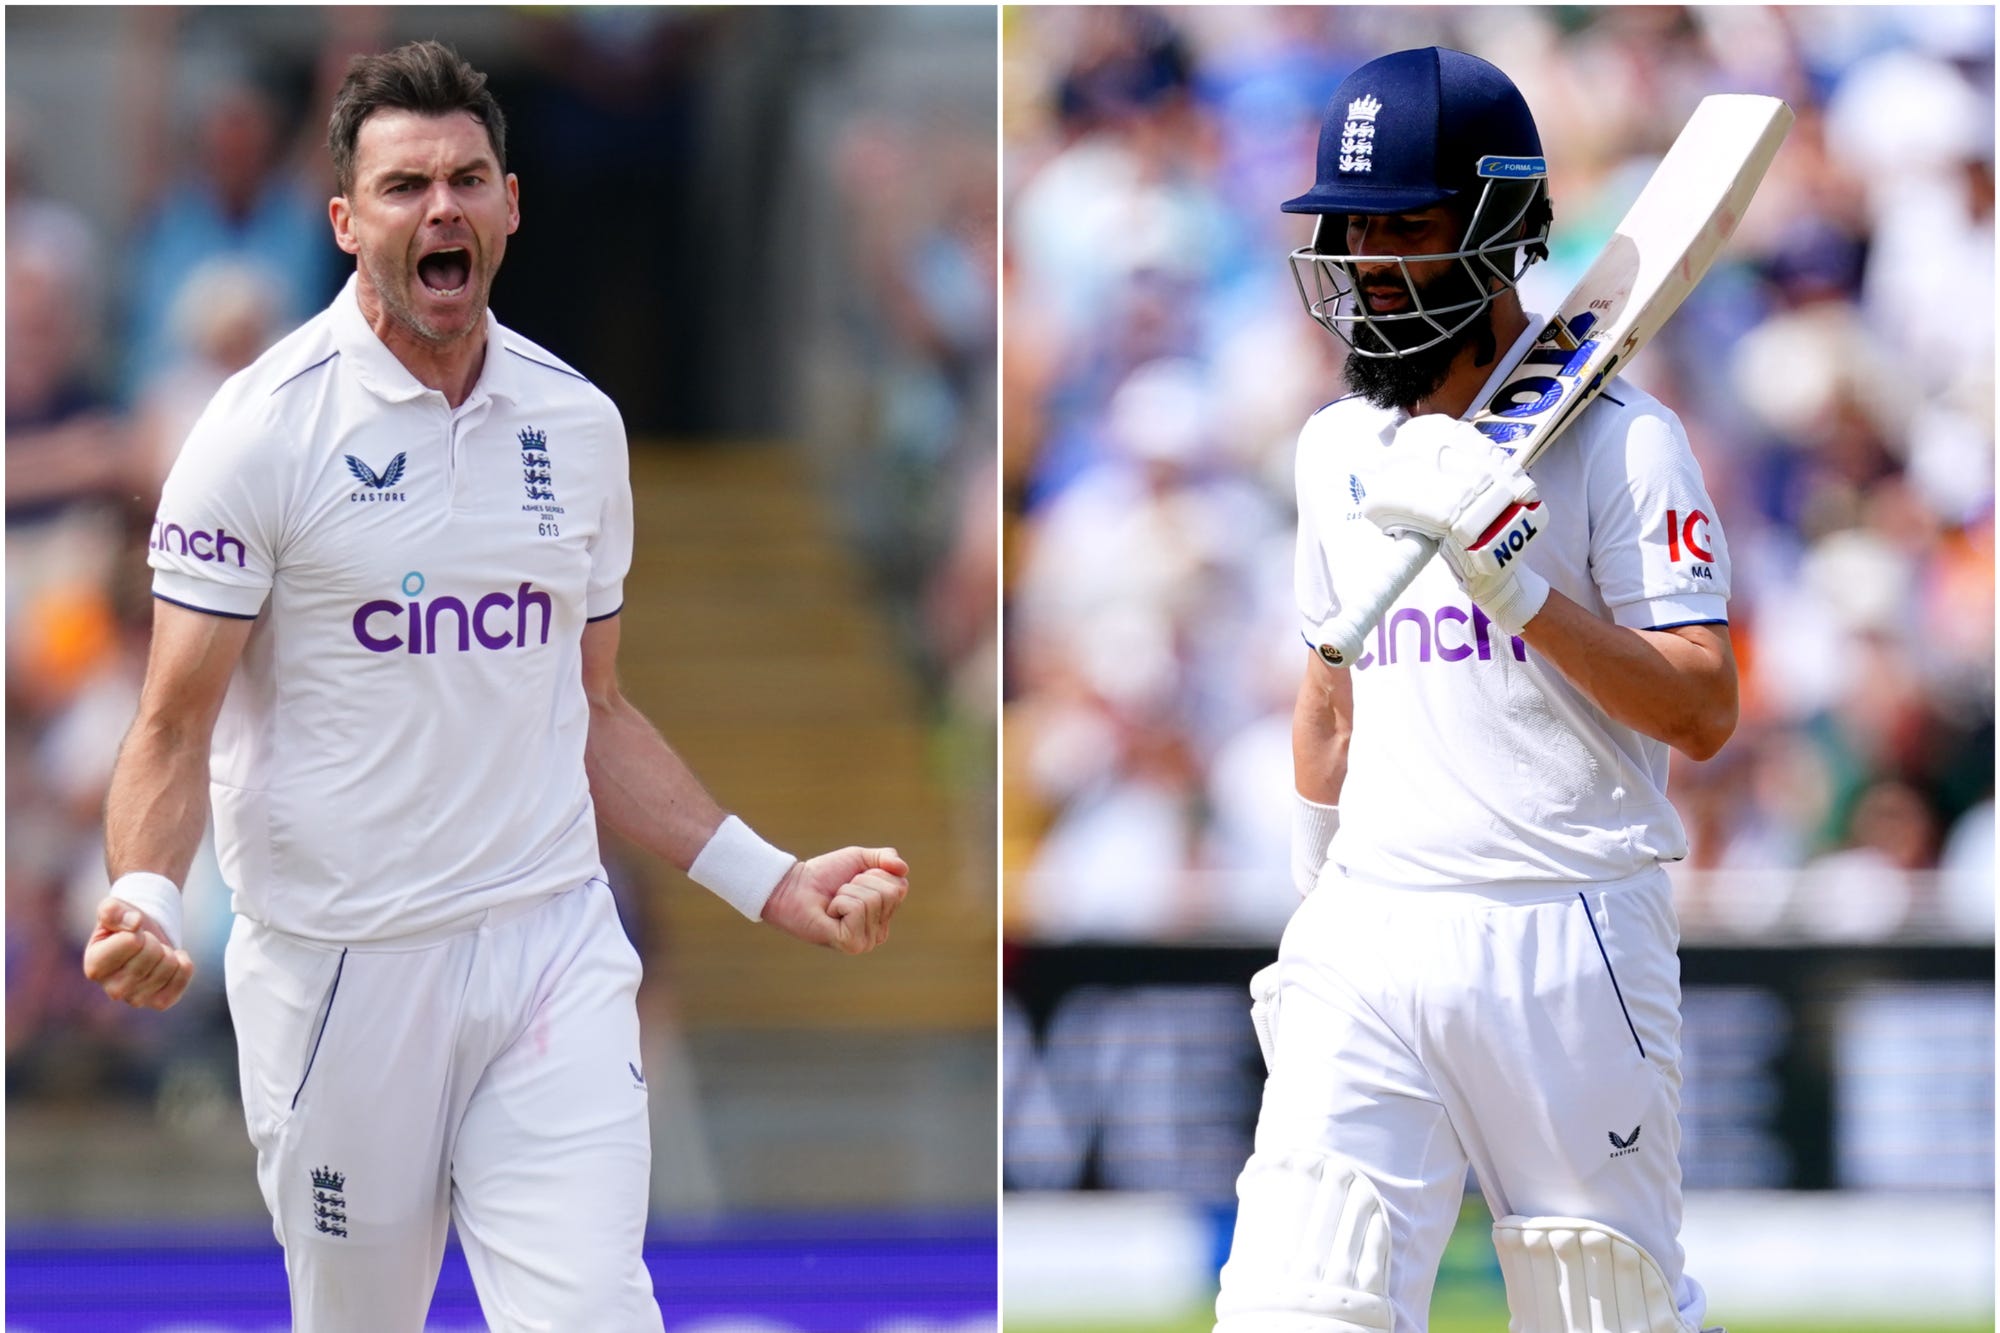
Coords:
pixel 1404 133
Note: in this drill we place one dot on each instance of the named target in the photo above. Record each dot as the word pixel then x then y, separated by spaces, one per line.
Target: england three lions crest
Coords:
pixel 535 475
pixel 1357 134
pixel 538 480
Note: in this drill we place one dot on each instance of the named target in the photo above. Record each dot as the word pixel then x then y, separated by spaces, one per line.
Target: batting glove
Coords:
pixel 1444 481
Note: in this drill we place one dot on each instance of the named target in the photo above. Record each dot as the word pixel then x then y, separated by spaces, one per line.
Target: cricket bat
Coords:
pixel 1659 252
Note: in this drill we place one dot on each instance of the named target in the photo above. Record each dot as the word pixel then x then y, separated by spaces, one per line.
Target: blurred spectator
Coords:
pixel 916 221
pixel 1967 862
pixel 225 315
pixel 1850 445
pixel 249 192
pixel 1865 892
pixel 888 287
pixel 66 447
pixel 1153 531
pixel 68 474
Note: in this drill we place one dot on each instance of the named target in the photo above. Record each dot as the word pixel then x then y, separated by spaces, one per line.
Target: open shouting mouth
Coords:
pixel 445 272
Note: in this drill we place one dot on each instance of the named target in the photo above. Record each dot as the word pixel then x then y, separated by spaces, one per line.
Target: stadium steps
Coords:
pixel 750 637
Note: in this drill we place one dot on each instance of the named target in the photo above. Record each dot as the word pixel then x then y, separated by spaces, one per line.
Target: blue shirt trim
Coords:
pixel 205 610
pixel 545 365
pixel 1323 406
pixel 307 371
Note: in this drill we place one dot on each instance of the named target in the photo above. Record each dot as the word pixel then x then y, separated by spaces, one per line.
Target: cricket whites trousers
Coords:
pixel 1530 1030
pixel 489 1076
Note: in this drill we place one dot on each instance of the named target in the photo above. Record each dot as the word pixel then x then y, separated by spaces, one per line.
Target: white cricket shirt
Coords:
pixel 402 744
pixel 1471 759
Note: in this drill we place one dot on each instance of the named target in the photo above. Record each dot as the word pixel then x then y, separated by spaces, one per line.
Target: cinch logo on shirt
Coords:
pixel 418 626
pixel 1391 645
pixel 215 545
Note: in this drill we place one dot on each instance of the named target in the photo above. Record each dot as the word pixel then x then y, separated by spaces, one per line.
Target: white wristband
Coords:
pixel 1313 827
pixel 1524 597
pixel 739 867
pixel 155 895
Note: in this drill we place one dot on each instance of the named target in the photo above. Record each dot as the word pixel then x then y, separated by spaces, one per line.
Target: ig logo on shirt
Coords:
pixel 1691 533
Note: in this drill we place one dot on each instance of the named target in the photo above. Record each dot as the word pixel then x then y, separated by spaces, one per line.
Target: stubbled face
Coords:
pixel 428 217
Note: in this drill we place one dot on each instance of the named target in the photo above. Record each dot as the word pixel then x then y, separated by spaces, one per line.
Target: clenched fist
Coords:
pixel 129 956
pixel 841 899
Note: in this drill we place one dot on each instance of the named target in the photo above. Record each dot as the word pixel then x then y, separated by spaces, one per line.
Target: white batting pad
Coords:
pixel 1311 1250
pixel 1567 1275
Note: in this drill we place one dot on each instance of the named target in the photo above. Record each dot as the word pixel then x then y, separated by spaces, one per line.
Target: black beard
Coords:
pixel 1400 380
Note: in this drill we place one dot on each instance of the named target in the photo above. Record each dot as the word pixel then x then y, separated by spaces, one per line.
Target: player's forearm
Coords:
pixel 1660 684
pixel 1322 719
pixel 157 808
pixel 642 789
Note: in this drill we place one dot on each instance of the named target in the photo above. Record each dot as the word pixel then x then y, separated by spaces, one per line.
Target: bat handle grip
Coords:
pixel 1338 641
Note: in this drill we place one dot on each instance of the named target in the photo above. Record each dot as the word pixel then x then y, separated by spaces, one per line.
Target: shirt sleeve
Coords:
pixel 611 548
pixel 1656 545
pixel 215 539
pixel 1312 579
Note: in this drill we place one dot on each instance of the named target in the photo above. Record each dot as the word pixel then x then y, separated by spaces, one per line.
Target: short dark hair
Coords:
pixel 426 77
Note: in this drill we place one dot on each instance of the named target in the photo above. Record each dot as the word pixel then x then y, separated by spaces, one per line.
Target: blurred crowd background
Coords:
pixel 745 224
pixel 1834 373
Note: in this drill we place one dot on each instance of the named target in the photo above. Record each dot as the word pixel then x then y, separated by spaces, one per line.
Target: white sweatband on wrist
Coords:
pixel 155 895
pixel 1526 593
pixel 739 867
pixel 1313 827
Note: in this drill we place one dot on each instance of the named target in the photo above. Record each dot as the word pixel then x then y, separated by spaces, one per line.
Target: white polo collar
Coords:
pixel 388 378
